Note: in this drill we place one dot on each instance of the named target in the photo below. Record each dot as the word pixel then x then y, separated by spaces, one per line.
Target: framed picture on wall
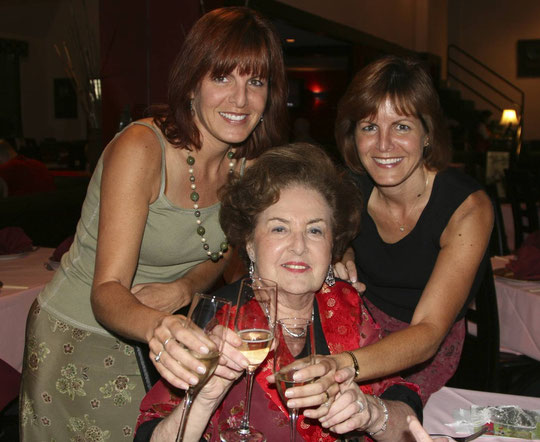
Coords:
pixel 65 99
pixel 528 58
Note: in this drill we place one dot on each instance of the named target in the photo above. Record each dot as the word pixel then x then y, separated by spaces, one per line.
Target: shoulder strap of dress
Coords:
pixel 162 144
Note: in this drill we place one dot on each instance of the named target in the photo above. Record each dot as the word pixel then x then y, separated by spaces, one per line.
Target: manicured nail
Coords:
pixel 203 349
pixel 193 380
pixel 201 369
pixel 291 404
pixel 289 393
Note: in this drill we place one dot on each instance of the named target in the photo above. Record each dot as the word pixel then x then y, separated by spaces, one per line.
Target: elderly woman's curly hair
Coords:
pixel 298 164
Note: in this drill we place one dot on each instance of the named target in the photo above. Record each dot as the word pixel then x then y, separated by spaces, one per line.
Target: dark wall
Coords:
pixel 139 40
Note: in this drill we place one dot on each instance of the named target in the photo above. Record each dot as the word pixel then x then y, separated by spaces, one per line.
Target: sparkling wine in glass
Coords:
pixel 295 349
pixel 254 323
pixel 208 317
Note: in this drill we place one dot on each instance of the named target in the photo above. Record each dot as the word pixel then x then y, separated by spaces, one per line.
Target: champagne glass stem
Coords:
pixel 244 426
pixel 186 405
pixel 293 417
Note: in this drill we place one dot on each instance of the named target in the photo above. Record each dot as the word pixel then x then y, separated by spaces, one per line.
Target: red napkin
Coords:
pixel 62 248
pixel 527 264
pixel 14 240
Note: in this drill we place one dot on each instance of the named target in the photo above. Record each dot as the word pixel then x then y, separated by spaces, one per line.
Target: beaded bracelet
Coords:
pixel 385 422
pixel 355 363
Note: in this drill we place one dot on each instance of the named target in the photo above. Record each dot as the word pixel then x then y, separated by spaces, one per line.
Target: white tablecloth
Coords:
pixel 441 405
pixel 29 273
pixel 519 313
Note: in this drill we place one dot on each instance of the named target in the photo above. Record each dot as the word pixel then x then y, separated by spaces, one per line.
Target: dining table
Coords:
pixel 518 303
pixel 442 410
pixel 23 276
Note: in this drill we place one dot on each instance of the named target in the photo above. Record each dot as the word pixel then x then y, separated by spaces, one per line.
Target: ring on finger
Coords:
pixel 327 397
pixel 165 343
pixel 361 405
pixel 158 357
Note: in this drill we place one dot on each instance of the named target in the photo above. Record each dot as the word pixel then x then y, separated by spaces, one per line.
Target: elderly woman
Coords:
pixel 290 215
pixel 421 251
pixel 149 235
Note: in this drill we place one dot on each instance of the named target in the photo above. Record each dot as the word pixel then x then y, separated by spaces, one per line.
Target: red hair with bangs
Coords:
pixel 408 86
pixel 221 41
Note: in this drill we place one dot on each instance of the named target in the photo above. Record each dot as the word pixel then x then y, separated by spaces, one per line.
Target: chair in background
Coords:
pixel 478 367
pixel 10 380
pixel 149 373
pixel 498 244
pixel 523 192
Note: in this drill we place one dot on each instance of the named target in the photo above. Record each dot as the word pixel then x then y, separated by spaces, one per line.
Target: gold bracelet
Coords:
pixel 355 363
pixel 385 421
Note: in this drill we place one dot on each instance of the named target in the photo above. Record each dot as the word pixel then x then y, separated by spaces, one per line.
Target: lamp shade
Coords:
pixel 509 116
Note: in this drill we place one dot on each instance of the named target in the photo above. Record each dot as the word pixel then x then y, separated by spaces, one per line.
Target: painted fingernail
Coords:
pixel 193 381
pixel 291 404
pixel 201 369
pixel 203 349
pixel 289 393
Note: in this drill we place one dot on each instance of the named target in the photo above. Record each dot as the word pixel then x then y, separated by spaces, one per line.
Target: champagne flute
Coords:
pixel 254 323
pixel 295 349
pixel 208 317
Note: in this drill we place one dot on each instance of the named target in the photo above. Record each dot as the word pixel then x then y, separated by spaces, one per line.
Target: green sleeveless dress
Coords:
pixel 80 382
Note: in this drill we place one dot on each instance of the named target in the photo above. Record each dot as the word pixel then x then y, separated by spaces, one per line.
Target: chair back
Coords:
pixel 523 191
pixel 498 244
pixel 149 373
pixel 478 367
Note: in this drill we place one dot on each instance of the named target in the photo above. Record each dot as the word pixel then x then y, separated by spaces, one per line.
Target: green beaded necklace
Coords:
pixel 214 256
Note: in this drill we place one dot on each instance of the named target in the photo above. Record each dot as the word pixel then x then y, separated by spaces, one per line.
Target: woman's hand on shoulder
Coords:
pixel 165 297
pixel 346 270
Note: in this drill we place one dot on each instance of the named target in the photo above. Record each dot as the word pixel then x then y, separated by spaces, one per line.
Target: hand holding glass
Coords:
pixel 208 317
pixel 254 323
pixel 295 349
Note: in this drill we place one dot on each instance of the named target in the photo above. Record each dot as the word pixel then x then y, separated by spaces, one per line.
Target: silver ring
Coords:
pixel 361 405
pixel 158 357
pixel 165 343
pixel 326 404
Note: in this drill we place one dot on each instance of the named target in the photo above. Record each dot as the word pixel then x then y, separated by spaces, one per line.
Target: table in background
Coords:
pixel 518 303
pixel 441 405
pixel 519 315
pixel 30 273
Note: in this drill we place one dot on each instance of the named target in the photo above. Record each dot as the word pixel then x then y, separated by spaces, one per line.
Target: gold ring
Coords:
pixel 327 396
pixel 158 357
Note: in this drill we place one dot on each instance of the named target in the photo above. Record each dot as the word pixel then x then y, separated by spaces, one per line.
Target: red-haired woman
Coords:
pixel 149 235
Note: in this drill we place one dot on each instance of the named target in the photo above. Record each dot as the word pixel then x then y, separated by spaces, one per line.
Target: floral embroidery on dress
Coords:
pixel 108 361
pixel 45 421
pixel 28 415
pixel 119 390
pixel 127 430
pixel 68 348
pixel 58 325
pixel 86 431
pixel 128 350
pixel 47 398
pixel 95 403
pixel 36 353
pixel 69 383
pixel 79 335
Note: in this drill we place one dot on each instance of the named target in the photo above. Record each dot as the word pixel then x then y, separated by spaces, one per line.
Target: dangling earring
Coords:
pixel 251 269
pixel 330 280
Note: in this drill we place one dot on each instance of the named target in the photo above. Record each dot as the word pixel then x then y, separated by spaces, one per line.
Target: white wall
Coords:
pixel 489 30
pixel 42 23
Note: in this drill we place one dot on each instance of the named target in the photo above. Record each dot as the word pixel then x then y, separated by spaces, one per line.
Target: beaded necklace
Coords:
pixel 214 256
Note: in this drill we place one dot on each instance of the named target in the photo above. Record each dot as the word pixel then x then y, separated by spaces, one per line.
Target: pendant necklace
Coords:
pixel 403 226
pixel 194 196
